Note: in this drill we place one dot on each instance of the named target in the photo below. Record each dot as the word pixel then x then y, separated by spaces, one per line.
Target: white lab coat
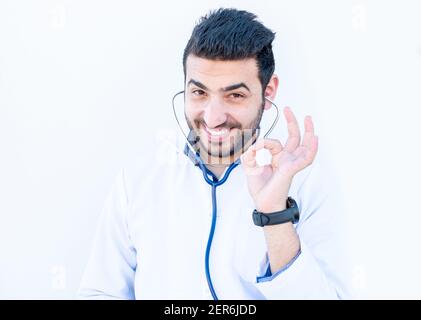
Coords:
pixel 152 235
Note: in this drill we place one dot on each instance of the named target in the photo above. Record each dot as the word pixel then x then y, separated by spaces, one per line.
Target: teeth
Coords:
pixel 218 133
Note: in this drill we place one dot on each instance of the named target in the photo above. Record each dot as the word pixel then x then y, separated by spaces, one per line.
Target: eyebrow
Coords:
pixel 229 88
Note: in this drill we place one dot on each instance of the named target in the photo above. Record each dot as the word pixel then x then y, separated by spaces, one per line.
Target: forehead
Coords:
pixel 220 73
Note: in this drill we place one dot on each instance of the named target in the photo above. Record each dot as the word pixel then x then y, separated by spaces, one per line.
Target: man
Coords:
pixel 153 240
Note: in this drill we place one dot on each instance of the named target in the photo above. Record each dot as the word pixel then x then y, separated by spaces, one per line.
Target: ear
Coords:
pixel 270 90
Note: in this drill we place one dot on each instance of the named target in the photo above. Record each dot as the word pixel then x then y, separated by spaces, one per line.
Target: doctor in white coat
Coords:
pixel 181 227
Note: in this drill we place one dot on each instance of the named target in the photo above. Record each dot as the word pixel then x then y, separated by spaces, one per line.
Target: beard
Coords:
pixel 233 144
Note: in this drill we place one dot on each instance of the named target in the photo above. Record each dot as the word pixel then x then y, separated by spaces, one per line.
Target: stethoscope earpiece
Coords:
pixel 276 119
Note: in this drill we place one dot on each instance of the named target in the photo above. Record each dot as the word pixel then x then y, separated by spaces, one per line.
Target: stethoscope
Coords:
pixel 214 183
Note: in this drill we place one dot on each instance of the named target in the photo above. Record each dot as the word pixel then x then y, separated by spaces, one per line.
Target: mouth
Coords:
pixel 217 135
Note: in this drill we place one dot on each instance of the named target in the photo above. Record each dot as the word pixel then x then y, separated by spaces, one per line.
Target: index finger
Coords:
pixel 273 145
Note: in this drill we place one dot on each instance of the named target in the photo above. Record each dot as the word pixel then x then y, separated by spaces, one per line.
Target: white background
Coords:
pixel 83 83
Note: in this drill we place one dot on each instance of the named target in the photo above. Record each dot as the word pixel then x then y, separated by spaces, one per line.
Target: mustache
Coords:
pixel 228 124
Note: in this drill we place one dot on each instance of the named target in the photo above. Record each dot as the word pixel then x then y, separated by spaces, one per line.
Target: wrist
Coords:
pixel 267 215
pixel 279 205
pixel 271 208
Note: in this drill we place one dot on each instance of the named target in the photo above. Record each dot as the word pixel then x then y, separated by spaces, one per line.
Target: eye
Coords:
pixel 237 95
pixel 198 92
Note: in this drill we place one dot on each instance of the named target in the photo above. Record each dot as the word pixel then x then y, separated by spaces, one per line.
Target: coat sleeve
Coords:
pixel 111 268
pixel 321 269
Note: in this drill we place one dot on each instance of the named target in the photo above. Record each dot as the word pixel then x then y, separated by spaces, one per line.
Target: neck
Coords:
pixel 218 165
pixel 217 171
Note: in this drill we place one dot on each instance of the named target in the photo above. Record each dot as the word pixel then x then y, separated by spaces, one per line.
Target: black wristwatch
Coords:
pixel 291 213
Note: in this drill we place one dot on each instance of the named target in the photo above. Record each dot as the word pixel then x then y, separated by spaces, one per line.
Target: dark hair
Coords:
pixel 231 34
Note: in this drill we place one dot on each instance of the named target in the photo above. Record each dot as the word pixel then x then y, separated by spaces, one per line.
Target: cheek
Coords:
pixel 191 111
pixel 194 118
pixel 245 118
pixel 190 114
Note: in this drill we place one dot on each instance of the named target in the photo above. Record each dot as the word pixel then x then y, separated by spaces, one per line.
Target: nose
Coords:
pixel 214 114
